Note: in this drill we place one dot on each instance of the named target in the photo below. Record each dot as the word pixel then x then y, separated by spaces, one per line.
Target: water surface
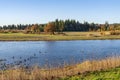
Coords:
pixel 55 52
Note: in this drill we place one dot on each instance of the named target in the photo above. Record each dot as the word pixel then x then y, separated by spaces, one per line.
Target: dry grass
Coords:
pixel 65 36
pixel 38 73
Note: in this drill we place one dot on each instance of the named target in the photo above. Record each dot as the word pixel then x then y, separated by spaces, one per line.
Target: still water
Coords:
pixel 56 52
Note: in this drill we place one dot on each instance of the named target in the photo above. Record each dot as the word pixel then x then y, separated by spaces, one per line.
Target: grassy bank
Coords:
pixel 111 74
pixel 46 37
pixel 88 70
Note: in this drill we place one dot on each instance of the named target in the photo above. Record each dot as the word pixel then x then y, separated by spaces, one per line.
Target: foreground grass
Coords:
pixel 111 74
pixel 105 69
pixel 67 36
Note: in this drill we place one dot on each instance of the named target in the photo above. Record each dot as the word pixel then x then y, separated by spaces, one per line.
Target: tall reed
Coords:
pixel 38 73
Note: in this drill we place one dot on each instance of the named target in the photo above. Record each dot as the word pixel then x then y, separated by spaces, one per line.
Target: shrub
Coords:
pixel 14 31
pixel 115 33
pixel 27 32
pixel 4 31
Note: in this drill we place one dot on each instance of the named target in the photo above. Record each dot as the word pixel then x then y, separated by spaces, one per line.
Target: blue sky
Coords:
pixel 42 11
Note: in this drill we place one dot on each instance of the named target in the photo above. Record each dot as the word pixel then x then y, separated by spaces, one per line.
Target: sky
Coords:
pixel 43 11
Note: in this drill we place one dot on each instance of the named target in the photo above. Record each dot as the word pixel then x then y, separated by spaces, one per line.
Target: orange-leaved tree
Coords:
pixel 50 28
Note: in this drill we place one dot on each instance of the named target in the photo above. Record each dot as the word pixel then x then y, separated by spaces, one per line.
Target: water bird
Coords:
pixel 28 59
pixel 24 60
pixel 1 60
pixel 40 52
pixel 20 57
pixel 34 54
pixel 13 57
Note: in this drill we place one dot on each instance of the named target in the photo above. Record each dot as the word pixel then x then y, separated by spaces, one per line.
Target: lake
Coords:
pixel 57 52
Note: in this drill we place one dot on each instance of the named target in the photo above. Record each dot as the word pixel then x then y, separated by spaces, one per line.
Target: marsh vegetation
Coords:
pixel 76 71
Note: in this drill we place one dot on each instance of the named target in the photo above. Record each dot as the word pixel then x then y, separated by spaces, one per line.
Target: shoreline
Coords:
pixel 61 39
pixel 51 40
pixel 70 36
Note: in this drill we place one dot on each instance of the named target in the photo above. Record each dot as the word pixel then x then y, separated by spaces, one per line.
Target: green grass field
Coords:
pixel 112 74
pixel 46 37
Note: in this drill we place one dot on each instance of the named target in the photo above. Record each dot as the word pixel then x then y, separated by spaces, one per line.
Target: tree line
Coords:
pixel 62 26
